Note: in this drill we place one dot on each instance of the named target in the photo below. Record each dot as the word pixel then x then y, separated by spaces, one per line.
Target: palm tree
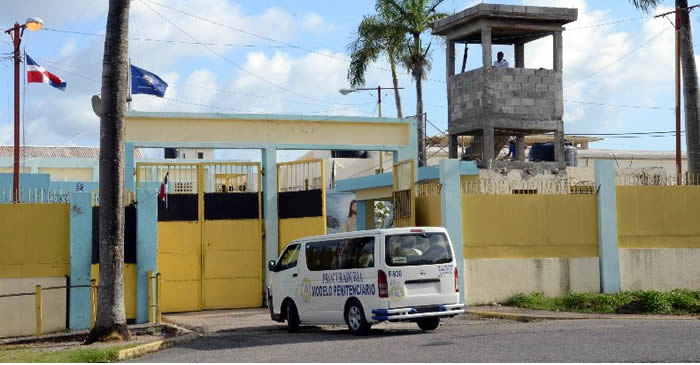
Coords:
pixel 374 38
pixel 111 317
pixel 412 18
pixel 691 95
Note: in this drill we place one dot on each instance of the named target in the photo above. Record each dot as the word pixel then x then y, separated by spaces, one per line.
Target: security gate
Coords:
pixel 210 248
pixel 301 188
pixel 404 194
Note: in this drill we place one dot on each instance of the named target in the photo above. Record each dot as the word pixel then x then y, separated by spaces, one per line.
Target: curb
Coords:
pixel 514 316
pixel 154 346
pixel 530 318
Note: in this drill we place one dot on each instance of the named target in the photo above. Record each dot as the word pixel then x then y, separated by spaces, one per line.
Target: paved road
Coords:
pixel 460 339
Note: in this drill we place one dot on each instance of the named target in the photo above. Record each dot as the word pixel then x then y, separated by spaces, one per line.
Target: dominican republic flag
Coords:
pixel 161 195
pixel 36 73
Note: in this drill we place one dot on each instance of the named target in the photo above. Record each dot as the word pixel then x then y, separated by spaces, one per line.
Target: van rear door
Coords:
pixel 420 269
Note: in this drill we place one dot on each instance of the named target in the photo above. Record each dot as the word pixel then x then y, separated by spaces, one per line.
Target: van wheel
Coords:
pixel 428 324
pixel 292 317
pixel 355 318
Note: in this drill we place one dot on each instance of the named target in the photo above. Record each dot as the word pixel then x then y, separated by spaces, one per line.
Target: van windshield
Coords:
pixel 417 249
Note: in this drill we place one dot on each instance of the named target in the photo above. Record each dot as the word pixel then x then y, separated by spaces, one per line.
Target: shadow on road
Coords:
pixel 277 335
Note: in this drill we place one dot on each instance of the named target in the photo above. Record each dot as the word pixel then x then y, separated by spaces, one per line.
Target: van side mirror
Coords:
pixel 271 265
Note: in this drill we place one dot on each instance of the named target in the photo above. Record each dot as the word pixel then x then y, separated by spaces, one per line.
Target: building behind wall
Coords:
pixel 61 163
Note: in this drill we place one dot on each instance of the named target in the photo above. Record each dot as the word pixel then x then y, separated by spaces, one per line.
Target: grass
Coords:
pixel 26 354
pixel 678 301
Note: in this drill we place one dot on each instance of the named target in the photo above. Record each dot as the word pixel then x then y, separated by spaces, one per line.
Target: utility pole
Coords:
pixel 677 26
pixel 379 108
pixel 16 33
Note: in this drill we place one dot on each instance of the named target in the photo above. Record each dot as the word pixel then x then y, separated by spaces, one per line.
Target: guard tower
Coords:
pixel 494 104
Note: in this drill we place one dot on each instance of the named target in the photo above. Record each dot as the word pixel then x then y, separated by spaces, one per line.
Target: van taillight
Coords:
pixel 456 281
pixel 382 284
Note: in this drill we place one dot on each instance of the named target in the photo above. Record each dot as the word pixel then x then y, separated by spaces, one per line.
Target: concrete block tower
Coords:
pixel 493 104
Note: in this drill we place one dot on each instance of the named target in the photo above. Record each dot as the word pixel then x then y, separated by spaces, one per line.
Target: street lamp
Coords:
pixel 16 33
pixel 378 89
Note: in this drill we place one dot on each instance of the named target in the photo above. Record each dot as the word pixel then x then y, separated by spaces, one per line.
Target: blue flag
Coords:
pixel 144 82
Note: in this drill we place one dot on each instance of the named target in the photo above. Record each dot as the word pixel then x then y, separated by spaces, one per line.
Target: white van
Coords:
pixel 365 277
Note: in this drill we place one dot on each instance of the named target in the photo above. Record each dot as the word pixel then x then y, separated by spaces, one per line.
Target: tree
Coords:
pixel 374 38
pixel 111 318
pixel 412 18
pixel 691 95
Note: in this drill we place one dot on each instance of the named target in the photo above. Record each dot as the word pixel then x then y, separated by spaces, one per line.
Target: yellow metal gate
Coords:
pixel 404 194
pixel 210 248
pixel 301 187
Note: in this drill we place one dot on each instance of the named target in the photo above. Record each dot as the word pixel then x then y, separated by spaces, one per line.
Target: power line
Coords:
pixel 644 44
pixel 619 105
pixel 230 61
pixel 167 40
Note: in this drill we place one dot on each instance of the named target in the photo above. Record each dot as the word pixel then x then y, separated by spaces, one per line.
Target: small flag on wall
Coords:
pixel 36 73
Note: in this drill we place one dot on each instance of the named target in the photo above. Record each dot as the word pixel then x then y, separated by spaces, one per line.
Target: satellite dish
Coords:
pixel 97 105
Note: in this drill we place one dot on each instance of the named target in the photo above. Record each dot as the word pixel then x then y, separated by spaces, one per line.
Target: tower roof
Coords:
pixel 510 24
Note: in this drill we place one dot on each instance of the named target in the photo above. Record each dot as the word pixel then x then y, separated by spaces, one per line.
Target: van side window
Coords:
pixel 350 253
pixel 289 258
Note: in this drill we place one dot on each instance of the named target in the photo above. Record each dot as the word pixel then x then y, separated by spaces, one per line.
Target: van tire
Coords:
pixel 355 318
pixel 429 323
pixel 292 317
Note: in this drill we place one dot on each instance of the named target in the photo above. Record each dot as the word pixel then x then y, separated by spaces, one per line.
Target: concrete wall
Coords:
pixel 515 94
pixel 495 280
pixel 35 240
pixel 658 216
pixel 18 314
pixel 529 243
pixel 529 226
pixel 35 250
pixel 659 268
pixel 659 237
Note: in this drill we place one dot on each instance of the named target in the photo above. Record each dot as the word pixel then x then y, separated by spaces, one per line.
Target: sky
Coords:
pixel 290 57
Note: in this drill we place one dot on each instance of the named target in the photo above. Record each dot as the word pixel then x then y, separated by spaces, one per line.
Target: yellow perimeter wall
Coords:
pixel 129 287
pixel 293 228
pixel 658 216
pixel 35 240
pixel 529 226
pixel 428 211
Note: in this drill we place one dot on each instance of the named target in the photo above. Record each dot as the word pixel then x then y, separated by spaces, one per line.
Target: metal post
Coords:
pixel 37 297
pixel 93 302
pixel 678 97
pixel 379 108
pixel 151 306
pixel 159 287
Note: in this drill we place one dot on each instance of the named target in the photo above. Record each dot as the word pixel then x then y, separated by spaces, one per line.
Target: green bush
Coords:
pixel 679 301
pixel 578 301
pixel 522 300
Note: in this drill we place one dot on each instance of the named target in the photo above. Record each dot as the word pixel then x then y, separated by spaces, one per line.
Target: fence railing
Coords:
pixel 155 284
pixel 527 187
pixel 655 178
pixel 38 302
pixel 36 195
pixel 428 188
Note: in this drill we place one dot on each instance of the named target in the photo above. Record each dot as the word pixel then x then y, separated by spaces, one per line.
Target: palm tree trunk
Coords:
pixel 111 317
pixel 395 80
pixel 690 95
pixel 418 75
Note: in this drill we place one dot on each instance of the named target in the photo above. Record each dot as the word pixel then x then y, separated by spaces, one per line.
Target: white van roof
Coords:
pixel 368 232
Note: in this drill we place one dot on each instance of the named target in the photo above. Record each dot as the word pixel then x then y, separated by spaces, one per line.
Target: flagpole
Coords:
pixel 128 87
